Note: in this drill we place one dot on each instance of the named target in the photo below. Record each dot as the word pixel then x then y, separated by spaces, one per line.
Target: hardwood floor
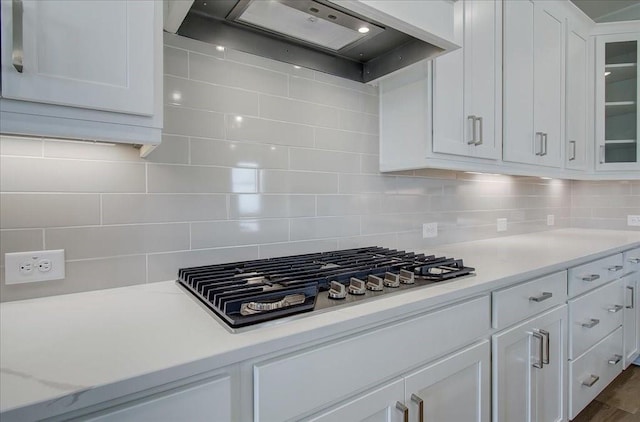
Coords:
pixel 619 402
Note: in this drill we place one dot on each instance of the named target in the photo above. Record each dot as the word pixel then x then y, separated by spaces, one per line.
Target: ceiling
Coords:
pixel 610 10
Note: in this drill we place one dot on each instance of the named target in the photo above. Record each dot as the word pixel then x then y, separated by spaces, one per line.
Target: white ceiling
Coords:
pixel 610 10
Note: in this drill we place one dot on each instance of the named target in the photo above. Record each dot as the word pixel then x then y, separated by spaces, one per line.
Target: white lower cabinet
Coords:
pixel 631 318
pixel 528 364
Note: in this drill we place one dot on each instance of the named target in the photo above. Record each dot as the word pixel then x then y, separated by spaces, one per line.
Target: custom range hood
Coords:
pixel 361 40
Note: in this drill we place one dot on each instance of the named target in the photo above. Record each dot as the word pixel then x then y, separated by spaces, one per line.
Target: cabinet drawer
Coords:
pixel 331 373
pixel 593 371
pixel 632 260
pixel 593 274
pixel 519 302
pixel 594 315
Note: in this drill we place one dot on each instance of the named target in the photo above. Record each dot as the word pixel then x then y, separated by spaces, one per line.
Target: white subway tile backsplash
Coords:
pixel 355 183
pixel 250 59
pixel 231 74
pixel 25 210
pixel 162 208
pixel 324 227
pixel 236 233
pixel 271 206
pixel 20 241
pixel 340 140
pixel 188 44
pixel 238 154
pixel 176 62
pixel 336 205
pixel 204 96
pixel 173 149
pixel 16 145
pixel 297 248
pixel 21 174
pixel 107 241
pixel 321 93
pixel 294 111
pixel 199 179
pixel 329 161
pixel 268 131
pixel 346 83
pixel 190 122
pixel 369 164
pixel 279 181
pixel 359 122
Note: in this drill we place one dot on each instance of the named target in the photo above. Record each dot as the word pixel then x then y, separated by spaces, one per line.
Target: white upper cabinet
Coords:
pixel 467 85
pixel 533 83
pixel 576 100
pixel 79 61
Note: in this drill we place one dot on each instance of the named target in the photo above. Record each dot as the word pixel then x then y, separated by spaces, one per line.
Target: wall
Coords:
pixel 604 205
pixel 258 159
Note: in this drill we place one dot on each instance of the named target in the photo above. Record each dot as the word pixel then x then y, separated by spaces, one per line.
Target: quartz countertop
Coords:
pixel 66 352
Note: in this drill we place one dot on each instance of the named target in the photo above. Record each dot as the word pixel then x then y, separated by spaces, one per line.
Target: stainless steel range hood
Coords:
pixel 316 34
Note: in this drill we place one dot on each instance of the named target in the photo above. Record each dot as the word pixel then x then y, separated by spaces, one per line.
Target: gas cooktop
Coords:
pixel 245 293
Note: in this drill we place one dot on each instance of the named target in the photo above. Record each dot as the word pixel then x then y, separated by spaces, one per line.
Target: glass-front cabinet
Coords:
pixel 617 92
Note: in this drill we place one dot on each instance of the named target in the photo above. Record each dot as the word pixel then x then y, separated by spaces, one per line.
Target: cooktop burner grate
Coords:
pixel 249 292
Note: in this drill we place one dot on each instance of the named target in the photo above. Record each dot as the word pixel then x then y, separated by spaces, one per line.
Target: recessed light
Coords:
pixel 219 48
pixel 363 30
pixel 176 96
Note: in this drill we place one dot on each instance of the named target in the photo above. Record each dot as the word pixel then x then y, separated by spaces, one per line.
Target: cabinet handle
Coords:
pixel 591 277
pixel 539 363
pixel 541 135
pixel 404 409
pixel 592 323
pixel 634 260
pixel 615 360
pixel 633 297
pixel 601 154
pixel 416 399
pixel 480 131
pixel 544 143
pixel 615 309
pixel 592 380
pixel 546 350
pixel 542 297
pixel 17 53
pixel 615 268
pixel 473 130
pixel 573 150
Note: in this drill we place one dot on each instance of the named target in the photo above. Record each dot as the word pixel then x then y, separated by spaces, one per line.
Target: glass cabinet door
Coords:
pixel 618 103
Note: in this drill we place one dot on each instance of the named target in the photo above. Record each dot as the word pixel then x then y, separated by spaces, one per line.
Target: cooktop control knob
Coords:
pixel 374 283
pixel 337 290
pixel 357 286
pixel 391 280
pixel 407 277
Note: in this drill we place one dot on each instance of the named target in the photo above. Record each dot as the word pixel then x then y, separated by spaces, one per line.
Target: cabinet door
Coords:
pixel 617 91
pixel 379 405
pixel 453 389
pixel 525 386
pixel 576 101
pixel 466 84
pixel 631 318
pixel 91 54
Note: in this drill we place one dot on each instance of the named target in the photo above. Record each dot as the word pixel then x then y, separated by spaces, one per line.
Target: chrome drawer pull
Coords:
pixel 404 409
pixel 615 268
pixel 540 362
pixel 543 296
pixel 416 399
pixel 616 359
pixel 592 380
pixel 474 133
pixel 615 309
pixel 545 351
pixel 633 297
pixel 634 260
pixel 592 323
pixel 591 277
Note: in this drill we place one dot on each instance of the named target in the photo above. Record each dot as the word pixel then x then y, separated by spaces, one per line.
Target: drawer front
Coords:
pixel 520 302
pixel 320 377
pixel 593 371
pixel 632 260
pixel 594 315
pixel 589 276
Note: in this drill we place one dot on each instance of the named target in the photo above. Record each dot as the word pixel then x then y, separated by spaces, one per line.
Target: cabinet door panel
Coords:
pixel 576 142
pixel 631 318
pixel 90 54
pixel 453 389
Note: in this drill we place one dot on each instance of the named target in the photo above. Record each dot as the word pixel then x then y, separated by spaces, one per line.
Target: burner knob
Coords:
pixel 391 280
pixel 337 290
pixel 374 283
pixel 407 277
pixel 357 286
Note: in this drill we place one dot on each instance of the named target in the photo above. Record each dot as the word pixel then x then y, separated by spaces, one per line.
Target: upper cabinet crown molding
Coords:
pixel 82 69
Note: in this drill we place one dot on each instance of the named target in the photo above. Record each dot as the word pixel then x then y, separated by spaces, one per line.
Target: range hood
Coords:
pixel 360 40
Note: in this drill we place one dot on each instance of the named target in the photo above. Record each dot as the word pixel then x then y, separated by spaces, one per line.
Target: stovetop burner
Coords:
pixel 250 292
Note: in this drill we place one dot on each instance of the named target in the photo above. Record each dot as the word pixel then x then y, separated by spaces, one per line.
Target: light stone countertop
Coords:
pixel 63 353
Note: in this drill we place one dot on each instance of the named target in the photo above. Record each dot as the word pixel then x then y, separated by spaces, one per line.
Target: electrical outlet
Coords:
pixel 501 224
pixel 633 220
pixel 429 230
pixel 28 267
pixel 551 220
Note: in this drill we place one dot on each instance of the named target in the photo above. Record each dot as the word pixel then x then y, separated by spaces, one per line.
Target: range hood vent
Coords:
pixel 315 34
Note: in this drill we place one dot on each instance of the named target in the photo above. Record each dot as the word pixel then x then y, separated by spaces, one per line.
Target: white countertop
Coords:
pixel 66 352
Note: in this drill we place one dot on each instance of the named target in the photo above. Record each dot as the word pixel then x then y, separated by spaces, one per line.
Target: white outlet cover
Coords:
pixel 633 220
pixel 45 266
pixel 429 230
pixel 551 220
pixel 501 224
